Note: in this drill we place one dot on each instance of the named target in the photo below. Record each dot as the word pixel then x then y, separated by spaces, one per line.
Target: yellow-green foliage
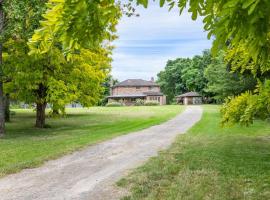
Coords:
pixel 76 24
pixel 78 78
pixel 246 107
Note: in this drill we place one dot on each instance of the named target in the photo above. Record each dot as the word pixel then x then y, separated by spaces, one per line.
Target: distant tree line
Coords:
pixel 210 76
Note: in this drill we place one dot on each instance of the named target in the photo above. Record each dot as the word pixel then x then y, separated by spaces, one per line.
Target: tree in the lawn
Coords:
pixel 57 78
pixel 50 78
pixel 14 15
pixel 2 115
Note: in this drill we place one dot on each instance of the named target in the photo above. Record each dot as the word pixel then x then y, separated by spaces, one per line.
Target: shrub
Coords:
pixel 114 104
pixel 139 102
pixel 248 106
pixel 151 103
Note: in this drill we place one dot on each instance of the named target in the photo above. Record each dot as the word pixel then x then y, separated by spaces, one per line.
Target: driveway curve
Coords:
pixel 91 173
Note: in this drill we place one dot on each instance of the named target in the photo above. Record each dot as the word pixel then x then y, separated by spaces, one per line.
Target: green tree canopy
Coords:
pixel 183 75
pixel 170 79
pixel 222 82
pixel 48 77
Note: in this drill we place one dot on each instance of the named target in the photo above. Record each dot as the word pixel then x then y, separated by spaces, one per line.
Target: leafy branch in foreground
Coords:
pixel 76 24
pixel 248 106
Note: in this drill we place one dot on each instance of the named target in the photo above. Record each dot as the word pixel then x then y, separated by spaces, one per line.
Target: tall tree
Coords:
pixel 62 73
pixel 77 25
pixel 170 79
pixel 183 75
pixel 2 114
pixel 193 75
pixel 51 79
pixel 223 82
pixel 14 17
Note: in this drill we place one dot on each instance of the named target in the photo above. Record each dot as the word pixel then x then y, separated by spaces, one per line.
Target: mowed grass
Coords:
pixel 208 163
pixel 25 146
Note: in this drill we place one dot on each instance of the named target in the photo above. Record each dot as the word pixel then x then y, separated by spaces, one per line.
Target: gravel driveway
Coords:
pixel 91 173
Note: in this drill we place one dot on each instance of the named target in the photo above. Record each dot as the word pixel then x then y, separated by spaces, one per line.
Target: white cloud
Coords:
pixel 146 43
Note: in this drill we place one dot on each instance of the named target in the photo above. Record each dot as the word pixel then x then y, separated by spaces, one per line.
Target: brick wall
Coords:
pixel 133 90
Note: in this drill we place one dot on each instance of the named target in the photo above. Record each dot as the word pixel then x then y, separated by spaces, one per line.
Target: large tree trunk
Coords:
pixel 2 112
pixel 7 108
pixel 40 115
pixel 41 106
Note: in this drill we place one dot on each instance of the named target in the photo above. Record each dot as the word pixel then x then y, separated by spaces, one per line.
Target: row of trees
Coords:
pixel 210 76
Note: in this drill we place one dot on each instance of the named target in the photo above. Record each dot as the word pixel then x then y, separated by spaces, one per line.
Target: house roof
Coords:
pixel 135 82
pixel 190 94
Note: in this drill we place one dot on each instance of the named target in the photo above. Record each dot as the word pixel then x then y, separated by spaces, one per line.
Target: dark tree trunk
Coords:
pixel 40 115
pixel 41 106
pixel 2 112
pixel 7 108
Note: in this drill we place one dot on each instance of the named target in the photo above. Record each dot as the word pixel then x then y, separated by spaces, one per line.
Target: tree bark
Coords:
pixel 2 111
pixel 7 108
pixel 40 115
pixel 41 106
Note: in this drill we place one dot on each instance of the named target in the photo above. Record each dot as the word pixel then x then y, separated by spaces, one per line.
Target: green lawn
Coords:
pixel 25 146
pixel 209 162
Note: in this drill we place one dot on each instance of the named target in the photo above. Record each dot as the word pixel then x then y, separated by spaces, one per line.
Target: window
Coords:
pixel 137 87
pixel 155 98
pixel 150 87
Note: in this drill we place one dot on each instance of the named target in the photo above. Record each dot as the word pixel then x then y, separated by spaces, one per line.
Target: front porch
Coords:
pixel 128 100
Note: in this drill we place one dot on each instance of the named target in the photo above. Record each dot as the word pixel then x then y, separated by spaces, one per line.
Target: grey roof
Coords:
pixel 190 94
pixel 135 82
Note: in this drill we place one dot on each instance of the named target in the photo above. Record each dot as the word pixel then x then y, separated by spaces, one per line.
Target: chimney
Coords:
pixel 152 79
pixel 111 85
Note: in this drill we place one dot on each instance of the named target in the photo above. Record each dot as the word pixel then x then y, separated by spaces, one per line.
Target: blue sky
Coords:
pixel 146 42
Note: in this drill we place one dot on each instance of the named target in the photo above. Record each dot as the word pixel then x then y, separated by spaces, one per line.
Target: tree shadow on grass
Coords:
pixel 22 126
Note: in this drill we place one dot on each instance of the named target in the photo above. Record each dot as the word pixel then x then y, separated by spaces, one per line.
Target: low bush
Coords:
pixel 139 102
pixel 114 104
pixel 151 103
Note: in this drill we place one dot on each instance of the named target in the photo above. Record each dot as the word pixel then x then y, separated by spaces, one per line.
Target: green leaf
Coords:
pixel 161 3
pixel 247 3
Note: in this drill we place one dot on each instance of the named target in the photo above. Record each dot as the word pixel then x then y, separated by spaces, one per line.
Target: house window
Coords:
pixel 150 87
pixel 155 98
pixel 137 87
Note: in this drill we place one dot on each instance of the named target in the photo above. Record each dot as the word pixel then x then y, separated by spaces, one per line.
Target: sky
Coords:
pixel 147 42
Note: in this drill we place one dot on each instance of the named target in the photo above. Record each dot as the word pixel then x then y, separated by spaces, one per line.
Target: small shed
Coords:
pixel 190 98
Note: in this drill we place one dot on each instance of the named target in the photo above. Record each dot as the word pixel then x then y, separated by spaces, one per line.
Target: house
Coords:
pixel 190 98
pixel 130 90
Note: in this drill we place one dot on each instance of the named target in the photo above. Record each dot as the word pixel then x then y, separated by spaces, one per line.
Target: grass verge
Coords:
pixel 209 162
pixel 25 146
